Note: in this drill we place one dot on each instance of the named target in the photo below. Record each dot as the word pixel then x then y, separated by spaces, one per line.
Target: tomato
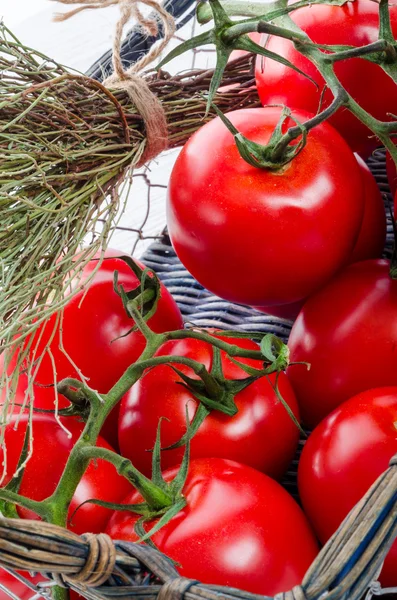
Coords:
pixel 19 589
pixel 369 244
pixel 355 24
pixel 343 457
pixel 239 528
pixel 92 326
pixel 348 334
pixel 258 237
pixel 51 449
pixel 261 435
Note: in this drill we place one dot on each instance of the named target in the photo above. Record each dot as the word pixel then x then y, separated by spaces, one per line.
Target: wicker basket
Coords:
pixel 98 568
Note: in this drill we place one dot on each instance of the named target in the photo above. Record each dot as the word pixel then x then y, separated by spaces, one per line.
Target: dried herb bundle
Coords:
pixel 67 146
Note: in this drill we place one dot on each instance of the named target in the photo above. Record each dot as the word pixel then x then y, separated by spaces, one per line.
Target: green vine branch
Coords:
pixel 274 19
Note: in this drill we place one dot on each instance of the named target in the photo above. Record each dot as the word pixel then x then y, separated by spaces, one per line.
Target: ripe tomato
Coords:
pixel 51 449
pixel 343 457
pixel 19 589
pixel 369 244
pixel 258 237
pixel 92 326
pixel 354 24
pixel 348 334
pixel 240 528
pixel 261 435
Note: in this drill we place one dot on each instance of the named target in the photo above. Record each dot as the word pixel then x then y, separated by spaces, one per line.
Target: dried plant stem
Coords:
pixel 67 144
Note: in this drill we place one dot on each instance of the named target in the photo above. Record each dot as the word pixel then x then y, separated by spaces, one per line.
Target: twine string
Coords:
pixel 129 80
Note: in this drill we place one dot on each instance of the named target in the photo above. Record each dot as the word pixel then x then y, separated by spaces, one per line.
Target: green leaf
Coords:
pixel 138 509
pixel 249 370
pixel 157 476
pixel 274 349
pixel 199 416
pixel 140 532
pixel 15 482
pixel 176 485
pixel 222 56
pixel 146 295
pixel 284 403
pixel 244 42
pixel 166 518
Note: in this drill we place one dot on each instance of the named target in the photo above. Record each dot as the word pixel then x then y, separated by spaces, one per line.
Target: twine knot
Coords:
pixel 176 588
pixel 98 567
pixel 147 103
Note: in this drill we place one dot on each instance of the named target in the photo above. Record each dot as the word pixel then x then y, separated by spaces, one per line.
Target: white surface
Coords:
pixel 78 43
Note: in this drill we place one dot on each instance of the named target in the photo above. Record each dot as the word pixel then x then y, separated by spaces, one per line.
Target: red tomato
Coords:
pixel 369 244
pixel 355 24
pixel 92 327
pixel 258 237
pixel 261 435
pixel 391 173
pixel 348 334
pixel 51 449
pixel 239 528
pixel 19 589
pixel 343 457
pixel 283 311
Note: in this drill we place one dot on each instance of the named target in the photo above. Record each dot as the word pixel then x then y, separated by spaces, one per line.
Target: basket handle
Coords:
pixel 345 567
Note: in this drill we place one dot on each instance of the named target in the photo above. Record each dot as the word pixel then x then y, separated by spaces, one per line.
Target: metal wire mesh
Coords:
pixel 140 231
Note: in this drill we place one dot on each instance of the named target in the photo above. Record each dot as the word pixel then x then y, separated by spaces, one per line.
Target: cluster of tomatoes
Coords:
pixel 305 241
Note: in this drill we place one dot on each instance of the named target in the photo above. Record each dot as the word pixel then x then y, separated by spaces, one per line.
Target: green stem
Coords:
pixel 377 47
pixel 230 349
pixel 136 314
pixel 156 498
pixel 41 509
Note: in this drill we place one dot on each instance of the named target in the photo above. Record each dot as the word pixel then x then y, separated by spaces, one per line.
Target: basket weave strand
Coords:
pixel 345 567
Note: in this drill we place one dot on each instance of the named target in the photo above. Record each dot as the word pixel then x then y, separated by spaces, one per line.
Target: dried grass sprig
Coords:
pixel 67 145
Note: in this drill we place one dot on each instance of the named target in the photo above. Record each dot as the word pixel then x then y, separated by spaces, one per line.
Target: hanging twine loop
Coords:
pixel 129 80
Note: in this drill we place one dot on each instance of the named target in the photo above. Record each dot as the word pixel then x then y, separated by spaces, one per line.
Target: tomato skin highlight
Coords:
pixel 257 237
pixel 89 330
pixel 354 24
pixel 261 435
pixel 51 450
pixel 239 528
pixel 348 334
pixel 343 457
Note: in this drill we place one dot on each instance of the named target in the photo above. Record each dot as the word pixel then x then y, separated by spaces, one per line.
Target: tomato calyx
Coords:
pixel 144 298
pixel 214 392
pixel 162 499
pixel 277 153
